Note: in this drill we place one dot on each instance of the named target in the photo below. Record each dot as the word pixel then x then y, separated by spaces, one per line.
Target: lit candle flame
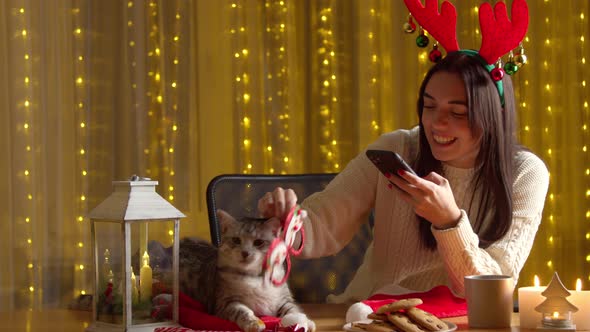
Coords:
pixel 146 258
pixel 537 282
pixel 578 284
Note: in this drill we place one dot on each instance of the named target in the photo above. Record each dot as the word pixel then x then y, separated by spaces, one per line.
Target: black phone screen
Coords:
pixel 388 162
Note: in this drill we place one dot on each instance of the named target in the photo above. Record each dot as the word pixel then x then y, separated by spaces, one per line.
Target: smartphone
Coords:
pixel 388 162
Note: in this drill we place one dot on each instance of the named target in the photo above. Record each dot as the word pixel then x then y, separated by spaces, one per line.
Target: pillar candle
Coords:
pixel 528 299
pixel 145 279
pixel 580 299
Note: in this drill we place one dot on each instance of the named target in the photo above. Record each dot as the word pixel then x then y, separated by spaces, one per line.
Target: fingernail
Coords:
pixel 387 175
pixel 401 172
pixel 389 185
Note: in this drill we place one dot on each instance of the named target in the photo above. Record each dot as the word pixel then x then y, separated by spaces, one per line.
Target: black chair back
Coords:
pixel 311 280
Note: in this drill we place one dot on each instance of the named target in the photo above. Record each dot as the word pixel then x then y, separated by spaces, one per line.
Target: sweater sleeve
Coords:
pixel 459 246
pixel 336 213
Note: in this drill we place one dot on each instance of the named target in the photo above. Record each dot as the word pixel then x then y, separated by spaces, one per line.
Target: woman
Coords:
pixel 474 207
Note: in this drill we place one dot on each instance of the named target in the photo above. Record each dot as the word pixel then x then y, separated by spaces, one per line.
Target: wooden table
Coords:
pixel 328 318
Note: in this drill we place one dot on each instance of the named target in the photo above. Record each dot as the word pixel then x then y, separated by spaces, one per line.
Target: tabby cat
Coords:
pixel 229 280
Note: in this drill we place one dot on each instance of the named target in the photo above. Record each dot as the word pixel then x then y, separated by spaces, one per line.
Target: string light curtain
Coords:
pixel 95 91
pixel 181 91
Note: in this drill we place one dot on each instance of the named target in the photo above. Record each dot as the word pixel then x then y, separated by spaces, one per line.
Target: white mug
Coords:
pixel 489 300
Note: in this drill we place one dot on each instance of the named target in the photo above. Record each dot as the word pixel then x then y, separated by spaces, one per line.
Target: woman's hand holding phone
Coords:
pixel 431 196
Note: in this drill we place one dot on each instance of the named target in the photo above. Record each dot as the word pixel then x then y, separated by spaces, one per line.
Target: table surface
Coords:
pixel 328 318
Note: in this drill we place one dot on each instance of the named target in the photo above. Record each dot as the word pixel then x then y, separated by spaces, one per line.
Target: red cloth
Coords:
pixel 192 314
pixel 438 301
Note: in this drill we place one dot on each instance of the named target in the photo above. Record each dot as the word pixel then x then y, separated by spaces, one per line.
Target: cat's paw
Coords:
pixel 299 319
pixel 253 325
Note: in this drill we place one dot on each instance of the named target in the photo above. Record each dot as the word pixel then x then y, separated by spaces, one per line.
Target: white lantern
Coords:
pixel 135 244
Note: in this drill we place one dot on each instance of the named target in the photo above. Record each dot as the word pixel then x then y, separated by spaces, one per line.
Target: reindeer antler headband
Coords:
pixel 499 34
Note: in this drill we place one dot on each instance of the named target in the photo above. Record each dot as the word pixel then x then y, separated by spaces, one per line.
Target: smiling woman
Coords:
pixel 473 206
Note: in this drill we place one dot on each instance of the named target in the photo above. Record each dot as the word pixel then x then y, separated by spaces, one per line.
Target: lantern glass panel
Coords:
pixel 109 251
pixel 152 261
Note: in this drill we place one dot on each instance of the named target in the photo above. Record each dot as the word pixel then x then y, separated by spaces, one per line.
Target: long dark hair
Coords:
pixel 493 165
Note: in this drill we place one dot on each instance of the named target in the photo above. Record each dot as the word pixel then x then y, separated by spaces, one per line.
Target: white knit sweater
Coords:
pixel 396 257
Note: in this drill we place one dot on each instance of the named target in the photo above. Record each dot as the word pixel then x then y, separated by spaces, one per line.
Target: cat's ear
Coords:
pixel 225 220
pixel 274 224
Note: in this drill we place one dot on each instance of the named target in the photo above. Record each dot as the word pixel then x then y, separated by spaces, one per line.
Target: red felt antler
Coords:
pixel 443 26
pixel 499 35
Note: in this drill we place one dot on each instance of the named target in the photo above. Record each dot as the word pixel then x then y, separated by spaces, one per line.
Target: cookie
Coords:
pixel 399 305
pixel 377 316
pixel 404 322
pixel 380 326
pixel 359 325
pixel 427 320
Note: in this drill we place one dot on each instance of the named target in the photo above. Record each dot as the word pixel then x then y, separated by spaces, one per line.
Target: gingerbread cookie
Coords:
pixel 399 305
pixel 427 320
pixel 377 316
pixel 359 325
pixel 404 322
pixel 380 326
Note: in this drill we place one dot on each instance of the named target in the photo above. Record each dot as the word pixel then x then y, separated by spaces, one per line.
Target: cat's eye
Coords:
pixel 236 240
pixel 259 243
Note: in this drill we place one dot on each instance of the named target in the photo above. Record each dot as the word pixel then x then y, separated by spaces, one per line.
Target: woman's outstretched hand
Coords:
pixel 431 197
pixel 277 203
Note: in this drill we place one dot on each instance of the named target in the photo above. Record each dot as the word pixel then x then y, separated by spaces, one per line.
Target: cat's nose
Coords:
pixel 245 254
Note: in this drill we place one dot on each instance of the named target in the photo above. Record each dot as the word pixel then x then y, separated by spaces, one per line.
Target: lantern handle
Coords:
pixel 138 178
